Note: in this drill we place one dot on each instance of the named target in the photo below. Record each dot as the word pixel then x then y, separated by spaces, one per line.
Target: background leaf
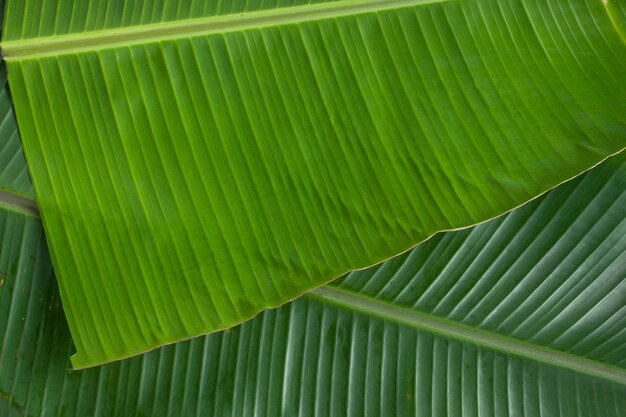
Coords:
pixel 13 173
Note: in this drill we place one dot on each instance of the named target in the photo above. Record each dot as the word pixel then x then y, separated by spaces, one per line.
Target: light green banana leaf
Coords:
pixel 519 316
pixel 197 162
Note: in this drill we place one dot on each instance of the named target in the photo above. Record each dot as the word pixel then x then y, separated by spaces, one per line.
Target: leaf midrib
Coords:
pixel 458 331
pixel 15 202
pixel 94 40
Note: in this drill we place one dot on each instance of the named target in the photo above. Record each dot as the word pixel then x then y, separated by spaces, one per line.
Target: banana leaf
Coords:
pixel 359 348
pixel 198 162
pixel 13 173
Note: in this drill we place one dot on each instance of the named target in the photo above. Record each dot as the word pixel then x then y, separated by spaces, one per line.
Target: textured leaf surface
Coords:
pixel 90 16
pixel 13 173
pixel 311 357
pixel 190 176
pixel 552 272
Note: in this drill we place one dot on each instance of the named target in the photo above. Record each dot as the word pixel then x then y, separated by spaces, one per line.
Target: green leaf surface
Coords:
pixel 194 172
pixel 354 357
pixel 100 15
pixel 552 272
pixel 13 172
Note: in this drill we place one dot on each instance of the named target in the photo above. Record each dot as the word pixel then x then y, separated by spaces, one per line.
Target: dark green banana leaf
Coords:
pixel 196 162
pixel 13 173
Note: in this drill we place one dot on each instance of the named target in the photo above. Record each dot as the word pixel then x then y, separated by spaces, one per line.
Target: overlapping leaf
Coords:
pixel 193 172
pixel 315 357
pixel 552 272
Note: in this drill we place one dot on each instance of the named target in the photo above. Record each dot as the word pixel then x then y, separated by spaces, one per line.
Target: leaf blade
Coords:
pixel 535 274
pixel 276 188
pixel 14 176
pixel 306 357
